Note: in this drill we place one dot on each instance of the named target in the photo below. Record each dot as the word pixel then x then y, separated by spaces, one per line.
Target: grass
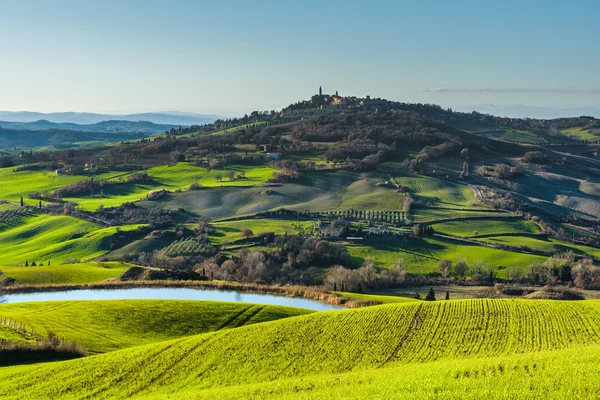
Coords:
pixel 548 375
pixel 440 192
pixel 9 334
pixel 176 177
pixel 579 133
pixel 231 230
pixel 421 257
pixel 419 349
pixel 80 273
pixel 44 238
pixel 488 226
pixel 13 185
pixel 384 299
pixel 103 326
pixel 237 128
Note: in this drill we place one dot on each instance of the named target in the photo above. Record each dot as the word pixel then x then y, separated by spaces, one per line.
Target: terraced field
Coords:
pixel 44 238
pixel 79 273
pixel 103 326
pixel 494 346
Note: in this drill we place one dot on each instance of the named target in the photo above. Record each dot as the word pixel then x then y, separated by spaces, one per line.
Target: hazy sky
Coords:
pixel 231 57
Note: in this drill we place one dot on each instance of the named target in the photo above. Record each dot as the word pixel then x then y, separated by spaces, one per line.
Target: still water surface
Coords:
pixel 172 294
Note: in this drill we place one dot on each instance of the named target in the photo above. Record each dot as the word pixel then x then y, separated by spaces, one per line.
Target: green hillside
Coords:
pixel 78 273
pixel 102 326
pixel 44 238
pixel 467 334
pixel 176 177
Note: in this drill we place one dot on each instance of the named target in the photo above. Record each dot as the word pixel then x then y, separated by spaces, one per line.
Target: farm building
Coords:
pixel 379 230
pixel 331 228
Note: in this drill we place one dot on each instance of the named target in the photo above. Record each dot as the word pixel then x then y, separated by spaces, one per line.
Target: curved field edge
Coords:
pixel 321 343
pixel 108 325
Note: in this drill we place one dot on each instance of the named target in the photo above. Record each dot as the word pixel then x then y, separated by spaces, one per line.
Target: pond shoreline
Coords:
pixel 311 293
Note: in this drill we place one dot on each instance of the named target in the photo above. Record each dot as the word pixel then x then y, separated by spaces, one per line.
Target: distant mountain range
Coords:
pixel 112 126
pixel 171 118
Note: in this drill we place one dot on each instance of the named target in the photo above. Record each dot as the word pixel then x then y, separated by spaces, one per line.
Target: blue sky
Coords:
pixel 231 57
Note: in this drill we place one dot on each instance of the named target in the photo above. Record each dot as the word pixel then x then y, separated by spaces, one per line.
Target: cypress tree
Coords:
pixel 447 295
pixel 430 295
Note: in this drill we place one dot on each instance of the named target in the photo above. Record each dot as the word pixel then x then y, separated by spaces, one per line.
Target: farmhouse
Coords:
pixel 331 228
pixel 379 230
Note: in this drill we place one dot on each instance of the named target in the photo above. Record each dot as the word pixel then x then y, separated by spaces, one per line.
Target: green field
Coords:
pixel 579 134
pixel 543 243
pixel 379 298
pixel 421 257
pixel 494 347
pixel 44 238
pixel 439 192
pixel 231 230
pixel 103 326
pixel 13 185
pixel 79 273
pixel 488 226
pixel 173 178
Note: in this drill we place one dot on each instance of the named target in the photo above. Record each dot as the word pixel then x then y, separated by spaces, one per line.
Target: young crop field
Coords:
pixel 498 338
pixel 80 273
pixel 103 326
pixel 44 238
pixel 421 257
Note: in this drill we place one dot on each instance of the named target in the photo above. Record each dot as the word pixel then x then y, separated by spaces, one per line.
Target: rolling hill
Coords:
pixel 454 345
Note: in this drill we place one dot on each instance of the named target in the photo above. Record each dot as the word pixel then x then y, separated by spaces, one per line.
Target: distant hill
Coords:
pixel 112 126
pixel 165 118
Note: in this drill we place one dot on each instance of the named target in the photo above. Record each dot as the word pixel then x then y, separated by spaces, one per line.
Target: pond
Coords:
pixel 172 294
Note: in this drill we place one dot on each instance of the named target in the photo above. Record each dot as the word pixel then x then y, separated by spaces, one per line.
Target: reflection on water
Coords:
pixel 172 294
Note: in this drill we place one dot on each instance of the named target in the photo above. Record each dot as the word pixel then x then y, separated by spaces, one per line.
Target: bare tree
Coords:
pixel 445 267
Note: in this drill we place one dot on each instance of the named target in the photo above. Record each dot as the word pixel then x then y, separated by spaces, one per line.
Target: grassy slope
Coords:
pixel 549 375
pixel 491 226
pixel 90 272
pixel 15 184
pixel 441 192
pixel 373 297
pixel 102 326
pixel 8 334
pixel 231 230
pixel 330 343
pixel 43 237
pixel 174 177
pixel 512 232
pixel 422 256
pixel 579 133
